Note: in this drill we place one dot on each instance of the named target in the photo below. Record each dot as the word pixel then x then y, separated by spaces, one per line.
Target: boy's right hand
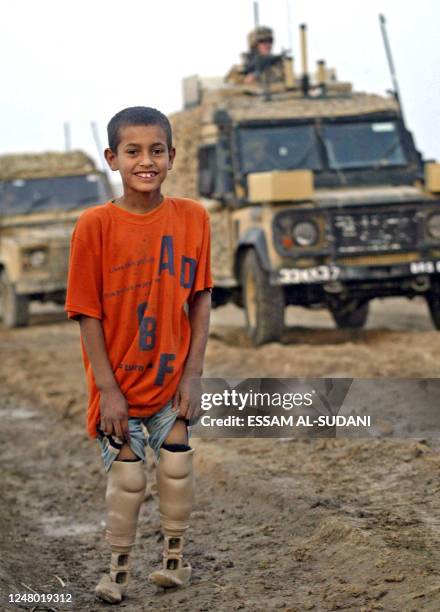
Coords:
pixel 114 413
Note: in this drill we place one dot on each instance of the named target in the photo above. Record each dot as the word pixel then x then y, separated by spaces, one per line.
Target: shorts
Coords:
pixel 151 430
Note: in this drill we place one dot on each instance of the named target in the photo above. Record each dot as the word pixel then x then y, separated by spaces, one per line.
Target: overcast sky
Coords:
pixel 85 60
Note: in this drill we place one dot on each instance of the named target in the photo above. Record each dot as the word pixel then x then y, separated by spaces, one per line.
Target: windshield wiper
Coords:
pixel 35 204
pixel 393 146
pixel 299 163
pixel 81 202
pixel 43 200
pixel 331 158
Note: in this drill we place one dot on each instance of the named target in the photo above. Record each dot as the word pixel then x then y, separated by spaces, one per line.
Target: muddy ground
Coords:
pixel 322 524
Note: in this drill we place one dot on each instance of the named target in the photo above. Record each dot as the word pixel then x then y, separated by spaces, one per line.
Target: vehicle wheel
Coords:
pixel 263 303
pixel 349 315
pixel 433 301
pixel 14 308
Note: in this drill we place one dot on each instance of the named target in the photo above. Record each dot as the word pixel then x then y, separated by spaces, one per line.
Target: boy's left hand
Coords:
pixel 187 398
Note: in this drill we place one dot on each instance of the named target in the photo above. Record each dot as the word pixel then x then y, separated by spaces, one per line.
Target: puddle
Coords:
pixel 61 526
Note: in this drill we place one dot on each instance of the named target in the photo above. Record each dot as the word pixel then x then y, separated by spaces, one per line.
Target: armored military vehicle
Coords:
pixel 317 197
pixel 41 197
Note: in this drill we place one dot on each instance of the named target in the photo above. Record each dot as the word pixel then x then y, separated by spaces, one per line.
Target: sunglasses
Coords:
pixel 266 40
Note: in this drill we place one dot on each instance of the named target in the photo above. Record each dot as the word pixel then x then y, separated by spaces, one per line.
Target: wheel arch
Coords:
pixel 253 238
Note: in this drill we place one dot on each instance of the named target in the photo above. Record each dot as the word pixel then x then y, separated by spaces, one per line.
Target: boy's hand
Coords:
pixel 114 413
pixel 187 398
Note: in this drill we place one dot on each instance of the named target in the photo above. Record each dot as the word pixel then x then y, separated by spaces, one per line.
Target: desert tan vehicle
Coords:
pixel 317 197
pixel 41 197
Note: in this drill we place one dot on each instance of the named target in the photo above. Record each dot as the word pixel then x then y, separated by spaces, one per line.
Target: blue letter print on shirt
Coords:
pixel 164 368
pixel 147 340
pixel 147 329
pixel 166 246
pixel 190 263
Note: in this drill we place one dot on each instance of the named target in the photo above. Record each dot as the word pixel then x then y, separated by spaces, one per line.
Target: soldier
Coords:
pixel 259 64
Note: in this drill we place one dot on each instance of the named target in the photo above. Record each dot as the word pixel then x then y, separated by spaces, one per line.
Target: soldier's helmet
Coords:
pixel 257 35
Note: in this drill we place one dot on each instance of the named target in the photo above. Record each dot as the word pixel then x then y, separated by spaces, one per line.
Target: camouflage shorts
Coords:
pixel 151 430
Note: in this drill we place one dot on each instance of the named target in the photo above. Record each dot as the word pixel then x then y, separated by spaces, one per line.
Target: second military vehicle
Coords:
pixel 317 197
pixel 41 197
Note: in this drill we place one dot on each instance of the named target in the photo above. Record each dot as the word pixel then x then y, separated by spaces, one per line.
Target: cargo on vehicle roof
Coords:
pixel 45 165
pixel 292 105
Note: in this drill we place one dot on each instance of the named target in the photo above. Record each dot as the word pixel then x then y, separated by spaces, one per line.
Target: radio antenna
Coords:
pixel 256 15
pixel 386 42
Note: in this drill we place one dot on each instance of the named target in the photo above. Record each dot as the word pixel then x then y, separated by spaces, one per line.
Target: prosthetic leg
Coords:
pixel 125 493
pixel 175 485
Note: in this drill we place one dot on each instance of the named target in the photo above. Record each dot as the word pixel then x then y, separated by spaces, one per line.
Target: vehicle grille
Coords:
pixel 371 232
pixel 59 261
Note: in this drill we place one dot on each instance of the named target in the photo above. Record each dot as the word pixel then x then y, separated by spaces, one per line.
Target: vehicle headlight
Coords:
pixel 36 258
pixel 305 233
pixel 433 226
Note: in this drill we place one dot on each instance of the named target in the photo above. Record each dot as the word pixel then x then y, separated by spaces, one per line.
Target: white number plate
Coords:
pixel 295 276
pixel 425 267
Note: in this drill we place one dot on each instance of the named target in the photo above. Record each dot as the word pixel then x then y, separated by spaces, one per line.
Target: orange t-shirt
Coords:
pixel 135 272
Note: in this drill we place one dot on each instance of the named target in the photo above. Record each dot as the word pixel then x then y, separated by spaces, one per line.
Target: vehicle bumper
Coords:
pixel 320 275
pixel 30 286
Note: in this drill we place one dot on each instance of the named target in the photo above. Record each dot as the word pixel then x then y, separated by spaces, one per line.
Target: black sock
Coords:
pixel 176 448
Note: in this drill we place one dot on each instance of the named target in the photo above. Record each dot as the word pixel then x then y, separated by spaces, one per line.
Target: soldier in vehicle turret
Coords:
pixel 259 64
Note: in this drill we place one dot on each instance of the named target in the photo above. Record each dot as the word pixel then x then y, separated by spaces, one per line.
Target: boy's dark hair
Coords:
pixel 137 115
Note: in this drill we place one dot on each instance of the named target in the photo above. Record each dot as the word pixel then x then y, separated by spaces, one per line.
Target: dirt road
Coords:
pixel 279 524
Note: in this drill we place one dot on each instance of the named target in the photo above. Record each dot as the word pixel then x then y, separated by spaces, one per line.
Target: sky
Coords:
pixel 83 61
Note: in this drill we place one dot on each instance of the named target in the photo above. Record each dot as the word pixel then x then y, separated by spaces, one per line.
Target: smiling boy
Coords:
pixel 139 285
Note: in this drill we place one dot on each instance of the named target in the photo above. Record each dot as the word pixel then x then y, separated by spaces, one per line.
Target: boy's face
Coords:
pixel 142 158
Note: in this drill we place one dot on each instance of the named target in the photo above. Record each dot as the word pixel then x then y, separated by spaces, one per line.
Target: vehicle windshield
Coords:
pixel 363 145
pixel 278 148
pixel 22 196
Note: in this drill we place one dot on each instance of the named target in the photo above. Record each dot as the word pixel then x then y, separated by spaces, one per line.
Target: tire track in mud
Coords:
pixel 292 525
pixel 276 525
pixel 54 483
pixel 345 542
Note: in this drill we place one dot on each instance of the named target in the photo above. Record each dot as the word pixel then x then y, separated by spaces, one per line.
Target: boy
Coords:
pixel 139 285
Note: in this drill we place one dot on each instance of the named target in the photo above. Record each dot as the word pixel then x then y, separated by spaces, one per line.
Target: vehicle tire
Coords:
pixel 433 301
pixel 263 303
pixel 349 315
pixel 14 308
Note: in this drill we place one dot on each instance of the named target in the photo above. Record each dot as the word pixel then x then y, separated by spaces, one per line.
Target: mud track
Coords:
pixel 278 524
